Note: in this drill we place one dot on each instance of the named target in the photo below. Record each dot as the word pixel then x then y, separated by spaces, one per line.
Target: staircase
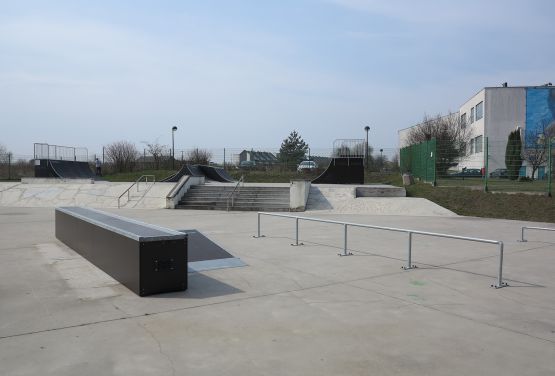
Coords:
pixel 211 197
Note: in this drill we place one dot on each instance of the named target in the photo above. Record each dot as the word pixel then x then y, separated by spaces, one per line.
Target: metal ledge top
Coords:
pixel 136 230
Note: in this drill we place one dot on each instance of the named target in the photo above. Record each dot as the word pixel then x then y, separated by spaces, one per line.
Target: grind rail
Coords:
pixel 136 183
pixel 410 233
pixel 532 228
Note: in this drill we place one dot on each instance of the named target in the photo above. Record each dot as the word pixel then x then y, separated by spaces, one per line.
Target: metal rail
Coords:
pixel 231 196
pixel 410 234
pixel 137 184
pixel 532 228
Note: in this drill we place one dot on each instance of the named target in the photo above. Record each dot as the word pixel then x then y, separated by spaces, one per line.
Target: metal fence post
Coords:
pixel 522 235
pixel 9 166
pixel 486 167
pixel 550 165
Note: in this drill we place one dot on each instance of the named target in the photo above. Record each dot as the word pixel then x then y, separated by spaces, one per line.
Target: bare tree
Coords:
pixel 156 150
pixel 4 154
pixel 451 133
pixel 199 156
pixel 536 148
pixel 122 155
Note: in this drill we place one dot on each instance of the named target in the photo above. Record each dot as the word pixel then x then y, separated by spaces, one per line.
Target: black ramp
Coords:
pixel 191 170
pixel 342 171
pixel 216 174
pixel 71 170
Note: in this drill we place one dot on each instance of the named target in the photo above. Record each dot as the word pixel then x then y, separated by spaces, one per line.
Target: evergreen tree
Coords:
pixel 513 154
pixel 293 149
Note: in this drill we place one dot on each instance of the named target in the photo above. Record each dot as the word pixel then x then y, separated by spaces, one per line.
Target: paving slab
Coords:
pixel 292 310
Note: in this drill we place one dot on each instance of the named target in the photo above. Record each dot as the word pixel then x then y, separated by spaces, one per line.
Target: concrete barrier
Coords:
pixel 298 195
pixel 181 187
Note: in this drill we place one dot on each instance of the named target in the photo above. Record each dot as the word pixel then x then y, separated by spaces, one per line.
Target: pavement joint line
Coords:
pixel 455 314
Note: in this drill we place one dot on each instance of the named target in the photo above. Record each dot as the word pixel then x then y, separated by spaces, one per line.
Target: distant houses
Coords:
pixel 260 158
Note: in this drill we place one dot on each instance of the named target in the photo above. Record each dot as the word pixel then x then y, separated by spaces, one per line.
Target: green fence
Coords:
pixel 483 166
pixel 420 160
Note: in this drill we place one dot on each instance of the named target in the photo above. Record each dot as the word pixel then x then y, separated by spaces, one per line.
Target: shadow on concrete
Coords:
pixel 201 287
pixel 317 201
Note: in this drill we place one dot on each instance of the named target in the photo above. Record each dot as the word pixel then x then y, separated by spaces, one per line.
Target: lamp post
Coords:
pixel 367 128
pixel 174 128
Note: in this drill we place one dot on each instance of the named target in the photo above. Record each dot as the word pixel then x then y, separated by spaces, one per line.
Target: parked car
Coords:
pixel 468 173
pixel 247 165
pixel 499 173
pixel 307 166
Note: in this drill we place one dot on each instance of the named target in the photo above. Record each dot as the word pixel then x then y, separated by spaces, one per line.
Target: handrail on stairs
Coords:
pixel 137 184
pixel 236 189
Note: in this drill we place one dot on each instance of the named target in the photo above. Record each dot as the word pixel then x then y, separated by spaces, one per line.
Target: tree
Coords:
pixel 199 156
pixel 451 133
pixel 122 155
pixel 157 151
pixel 293 149
pixel 513 154
pixel 4 154
pixel 536 151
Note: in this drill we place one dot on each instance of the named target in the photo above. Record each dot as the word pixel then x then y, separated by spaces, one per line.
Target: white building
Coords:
pixel 493 113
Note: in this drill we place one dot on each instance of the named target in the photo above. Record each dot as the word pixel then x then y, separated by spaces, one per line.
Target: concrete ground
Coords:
pixel 291 311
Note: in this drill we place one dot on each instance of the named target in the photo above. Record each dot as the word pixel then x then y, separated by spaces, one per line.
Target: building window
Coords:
pixel 479 110
pixel 472 115
pixel 479 147
pixel 463 120
pixel 472 142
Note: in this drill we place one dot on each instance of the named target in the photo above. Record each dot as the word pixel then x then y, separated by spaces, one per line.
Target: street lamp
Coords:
pixel 381 159
pixel 174 128
pixel 367 128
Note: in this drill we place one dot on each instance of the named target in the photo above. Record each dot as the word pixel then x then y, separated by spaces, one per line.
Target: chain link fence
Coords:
pixel 256 163
pixel 485 165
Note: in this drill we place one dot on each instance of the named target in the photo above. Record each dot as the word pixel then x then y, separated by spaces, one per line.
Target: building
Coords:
pixel 260 158
pixel 493 113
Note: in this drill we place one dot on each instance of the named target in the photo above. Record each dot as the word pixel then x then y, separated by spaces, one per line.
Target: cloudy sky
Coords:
pixel 245 73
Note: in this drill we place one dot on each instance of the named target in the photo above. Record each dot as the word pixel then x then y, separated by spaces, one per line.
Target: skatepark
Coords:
pixel 289 310
pixel 269 293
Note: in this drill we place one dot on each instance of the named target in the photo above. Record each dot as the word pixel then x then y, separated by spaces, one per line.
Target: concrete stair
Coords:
pixel 213 197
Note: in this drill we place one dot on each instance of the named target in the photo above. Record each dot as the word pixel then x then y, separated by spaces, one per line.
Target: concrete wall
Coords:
pixel 298 195
pixel 179 190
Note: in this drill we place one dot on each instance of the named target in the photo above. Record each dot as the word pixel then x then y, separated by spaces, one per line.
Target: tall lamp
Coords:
pixel 367 128
pixel 174 128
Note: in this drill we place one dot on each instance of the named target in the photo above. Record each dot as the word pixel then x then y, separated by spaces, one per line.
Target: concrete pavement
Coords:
pixel 292 310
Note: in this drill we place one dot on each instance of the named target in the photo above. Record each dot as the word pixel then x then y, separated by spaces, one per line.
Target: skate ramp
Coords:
pixel 342 171
pixel 212 173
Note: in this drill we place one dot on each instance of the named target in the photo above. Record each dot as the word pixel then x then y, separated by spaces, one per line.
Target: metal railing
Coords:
pixel 532 228
pixel 410 234
pixel 236 189
pixel 136 183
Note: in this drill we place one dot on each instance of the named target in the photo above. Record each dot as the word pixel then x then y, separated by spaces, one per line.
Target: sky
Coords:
pixel 244 74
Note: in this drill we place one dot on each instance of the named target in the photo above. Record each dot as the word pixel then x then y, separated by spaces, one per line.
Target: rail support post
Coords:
pixel 258 233
pixel 345 250
pixel 522 235
pixel 297 233
pixel 409 254
pixel 500 282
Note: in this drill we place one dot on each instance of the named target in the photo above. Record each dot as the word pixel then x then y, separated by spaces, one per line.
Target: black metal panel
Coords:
pixel 343 171
pixel 145 267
